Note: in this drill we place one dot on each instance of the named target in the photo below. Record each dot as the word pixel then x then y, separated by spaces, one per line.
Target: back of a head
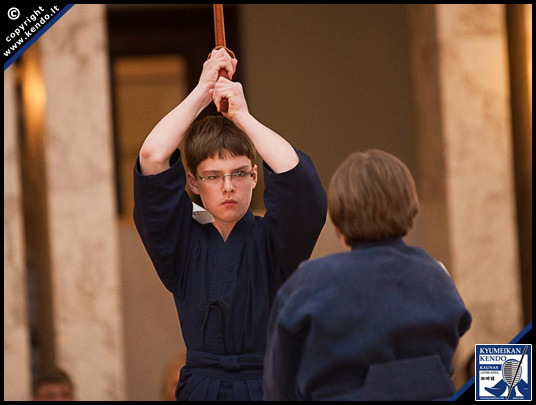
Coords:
pixel 53 385
pixel 215 137
pixel 171 376
pixel 372 196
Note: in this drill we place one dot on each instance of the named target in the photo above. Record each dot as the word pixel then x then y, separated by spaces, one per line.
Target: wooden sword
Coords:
pixel 219 30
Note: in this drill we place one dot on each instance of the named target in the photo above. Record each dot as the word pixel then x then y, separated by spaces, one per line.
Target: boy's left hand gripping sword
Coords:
pixel 219 30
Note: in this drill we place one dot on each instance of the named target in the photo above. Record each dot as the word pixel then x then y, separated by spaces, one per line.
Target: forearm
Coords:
pixel 166 136
pixel 274 149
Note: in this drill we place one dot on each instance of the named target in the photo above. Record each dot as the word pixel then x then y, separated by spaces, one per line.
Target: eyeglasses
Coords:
pixel 237 177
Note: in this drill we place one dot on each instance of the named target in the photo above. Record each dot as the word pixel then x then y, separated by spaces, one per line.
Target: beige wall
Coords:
pixel 331 79
pixel 463 104
pixel 81 204
pixel 152 332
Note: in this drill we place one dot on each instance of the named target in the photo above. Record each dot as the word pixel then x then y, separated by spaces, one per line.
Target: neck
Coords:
pixel 224 228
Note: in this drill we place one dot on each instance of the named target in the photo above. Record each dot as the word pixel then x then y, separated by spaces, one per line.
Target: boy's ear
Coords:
pixel 254 177
pixel 192 182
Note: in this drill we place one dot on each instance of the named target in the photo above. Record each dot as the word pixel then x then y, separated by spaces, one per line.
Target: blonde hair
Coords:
pixel 372 196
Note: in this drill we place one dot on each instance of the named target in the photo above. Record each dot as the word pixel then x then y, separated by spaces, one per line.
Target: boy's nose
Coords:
pixel 228 184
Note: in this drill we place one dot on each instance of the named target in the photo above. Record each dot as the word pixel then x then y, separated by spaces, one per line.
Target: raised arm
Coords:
pixel 276 151
pixel 166 136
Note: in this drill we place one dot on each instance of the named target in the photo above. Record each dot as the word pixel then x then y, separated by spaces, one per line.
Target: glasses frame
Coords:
pixel 231 176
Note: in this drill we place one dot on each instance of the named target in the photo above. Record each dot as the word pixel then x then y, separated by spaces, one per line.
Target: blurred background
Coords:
pixel 446 88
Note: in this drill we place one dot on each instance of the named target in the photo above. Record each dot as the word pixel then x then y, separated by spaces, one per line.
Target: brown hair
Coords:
pixel 372 196
pixel 215 136
pixel 54 376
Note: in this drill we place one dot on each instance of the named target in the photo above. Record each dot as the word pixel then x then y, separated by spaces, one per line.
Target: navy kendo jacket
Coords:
pixel 381 322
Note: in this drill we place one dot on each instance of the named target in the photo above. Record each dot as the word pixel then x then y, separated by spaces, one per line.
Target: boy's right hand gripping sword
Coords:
pixel 219 29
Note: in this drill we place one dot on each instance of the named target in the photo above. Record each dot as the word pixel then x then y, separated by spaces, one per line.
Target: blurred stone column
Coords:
pixel 460 75
pixel 17 374
pixel 81 204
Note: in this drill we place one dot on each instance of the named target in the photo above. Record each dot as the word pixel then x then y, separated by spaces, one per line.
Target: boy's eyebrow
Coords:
pixel 234 170
pixel 241 168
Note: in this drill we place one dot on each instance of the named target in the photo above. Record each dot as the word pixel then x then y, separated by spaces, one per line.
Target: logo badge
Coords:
pixel 503 372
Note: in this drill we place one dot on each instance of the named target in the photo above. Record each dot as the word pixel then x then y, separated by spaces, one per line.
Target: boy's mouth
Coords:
pixel 229 203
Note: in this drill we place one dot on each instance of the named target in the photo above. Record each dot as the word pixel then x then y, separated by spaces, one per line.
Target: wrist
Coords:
pixel 201 94
pixel 242 118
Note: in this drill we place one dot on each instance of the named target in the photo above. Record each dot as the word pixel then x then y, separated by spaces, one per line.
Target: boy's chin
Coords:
pixel 231 215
